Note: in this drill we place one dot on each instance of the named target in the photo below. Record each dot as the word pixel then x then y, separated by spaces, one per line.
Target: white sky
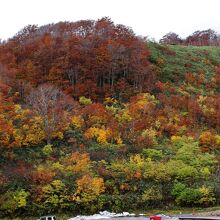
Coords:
pixel 153 18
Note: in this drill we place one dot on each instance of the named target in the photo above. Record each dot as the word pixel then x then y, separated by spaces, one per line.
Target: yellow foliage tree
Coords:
pixel 207 140
pixel 99 134
pixel 7 110
pixel 85 101
pixel 77 122
pixel 30 131
pixel 77 163
pixel 152 194
pixel 88 189
pixel 54 195
pixel 207 196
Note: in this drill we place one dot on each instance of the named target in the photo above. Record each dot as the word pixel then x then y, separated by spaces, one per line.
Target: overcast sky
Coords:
pixel 153 18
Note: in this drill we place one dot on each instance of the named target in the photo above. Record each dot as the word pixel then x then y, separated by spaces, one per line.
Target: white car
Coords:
pixel 48 217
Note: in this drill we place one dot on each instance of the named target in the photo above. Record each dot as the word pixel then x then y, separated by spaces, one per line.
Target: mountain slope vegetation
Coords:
pixel 93 118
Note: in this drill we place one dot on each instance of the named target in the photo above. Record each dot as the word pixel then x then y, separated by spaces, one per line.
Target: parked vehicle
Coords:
pixel 48 217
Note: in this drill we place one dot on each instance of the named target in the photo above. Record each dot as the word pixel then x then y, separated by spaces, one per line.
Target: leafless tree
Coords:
pixel 52 105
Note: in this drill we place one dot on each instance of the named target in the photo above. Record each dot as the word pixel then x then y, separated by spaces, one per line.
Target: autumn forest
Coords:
pixel 94 117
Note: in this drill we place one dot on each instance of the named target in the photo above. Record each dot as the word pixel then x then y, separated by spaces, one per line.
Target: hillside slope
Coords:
pixel 88 126
pixel 176 60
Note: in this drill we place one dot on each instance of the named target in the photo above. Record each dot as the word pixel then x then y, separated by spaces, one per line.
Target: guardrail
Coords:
pixel 198 218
